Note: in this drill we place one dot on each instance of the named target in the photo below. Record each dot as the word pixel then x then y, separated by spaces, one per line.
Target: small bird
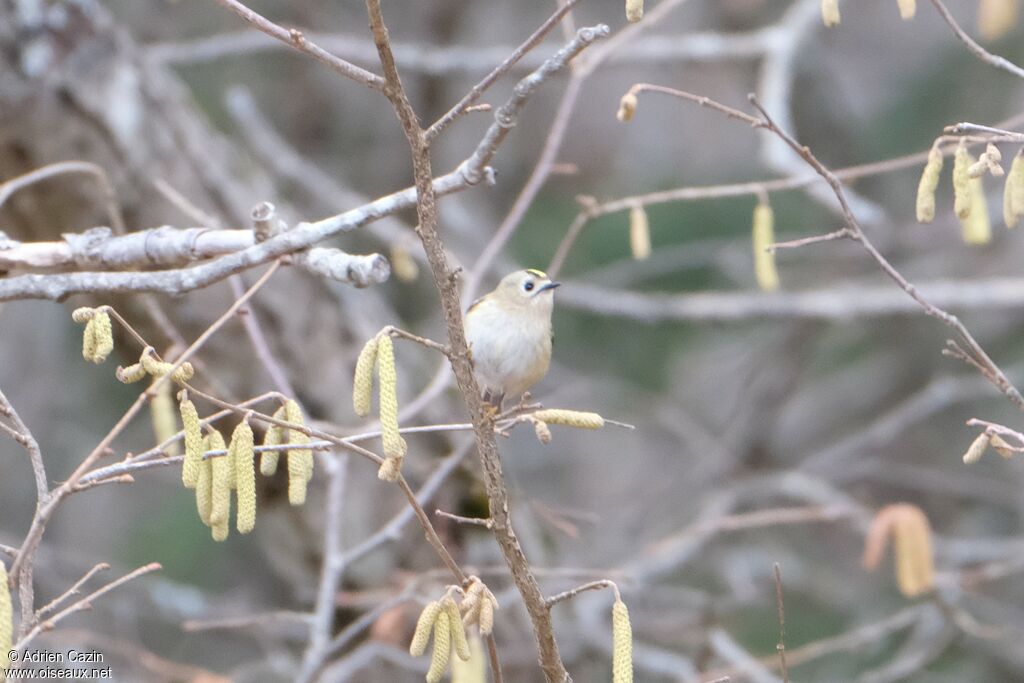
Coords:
pixel 509 334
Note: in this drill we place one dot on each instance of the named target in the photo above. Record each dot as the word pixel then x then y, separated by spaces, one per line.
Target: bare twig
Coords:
pixel 300 42
pixel 983 54
pixel 780 608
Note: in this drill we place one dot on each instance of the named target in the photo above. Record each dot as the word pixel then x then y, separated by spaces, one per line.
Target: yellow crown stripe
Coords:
pixel 536 273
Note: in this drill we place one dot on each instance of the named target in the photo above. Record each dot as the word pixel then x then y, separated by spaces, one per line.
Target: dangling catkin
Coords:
pixel 908 525
pixel 6 619
pixel 300 460
pixel 394 444
pixel 763 237
pixel 570 418
pixel 193 443
pixel 362 385
pixel 996 18
pixel 164 417
pixel 627 107
pixel 977 449
pixel 907 9
pixel 829 17
pixel 634 10
pixel 542 431
pixel 1013 192
pixel 403 265
pixel 244 461
pixel 424 625
pixel 274 436
pixel 442 648
pixel 486 619
pixel 130 374
pixel 204 486
pixel 104 334
pixel 927 186
pixel 89 341
pixel 622 644
pixel 220 508
pixel 455 625
pixel 961 181
pixel 915 562
pixel 639 233
pixel 977 227
pixel 1000 446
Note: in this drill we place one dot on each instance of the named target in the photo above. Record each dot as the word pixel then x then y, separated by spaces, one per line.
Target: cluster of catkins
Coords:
pixel 446 621
pixel 982 443
pixel 969 200
pixel 215 475
pixel 379 354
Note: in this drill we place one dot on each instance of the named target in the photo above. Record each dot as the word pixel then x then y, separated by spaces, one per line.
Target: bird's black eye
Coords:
pixel 528 286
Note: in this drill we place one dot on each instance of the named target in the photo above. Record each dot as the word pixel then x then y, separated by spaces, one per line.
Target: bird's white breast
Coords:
pixel 510 352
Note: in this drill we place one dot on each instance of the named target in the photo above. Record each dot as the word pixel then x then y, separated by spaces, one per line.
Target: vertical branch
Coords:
pixel 332 569
pixel 483 427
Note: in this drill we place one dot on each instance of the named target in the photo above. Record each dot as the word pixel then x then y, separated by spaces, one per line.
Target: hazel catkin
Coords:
pixel 928 184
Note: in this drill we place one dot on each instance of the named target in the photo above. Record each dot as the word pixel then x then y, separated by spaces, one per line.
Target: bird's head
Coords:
pixel 532 288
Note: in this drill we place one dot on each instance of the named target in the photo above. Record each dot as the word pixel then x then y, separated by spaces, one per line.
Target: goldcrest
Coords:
pixel 509 334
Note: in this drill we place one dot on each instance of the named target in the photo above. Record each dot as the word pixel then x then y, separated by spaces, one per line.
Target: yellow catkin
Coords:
pixel 570 418
pixel 486 618
pixel 1017 188
pixel 130 374
pixel 473 670
pixel 996 18
pixel 244 461
pixel 1000 446
pixel 639 234
pixel 1013 193
pixel 403 265
pixel 204 486
pixel 164 417
pixel 442 648
pixel 6 619
pixel 977 227
pixel 915 561
pixel 362 385
pixel 300 460
pixel 193 443
pixel 220 506
pixel 830 12
pixel 274 436
pixel 459 641
pixel 627 107
pixel 542 431
pixel 634 10
pixel 763 237
pixel 622 644
pixel 927 186
pixel 908 8
pixel 424 625
pixel 977 448
pixel 961 181
pixel 104 335
pixel 387 376
pixel 89 341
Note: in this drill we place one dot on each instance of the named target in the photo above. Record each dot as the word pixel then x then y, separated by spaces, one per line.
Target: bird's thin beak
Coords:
pixel 551 285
